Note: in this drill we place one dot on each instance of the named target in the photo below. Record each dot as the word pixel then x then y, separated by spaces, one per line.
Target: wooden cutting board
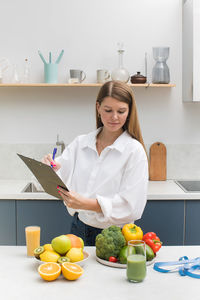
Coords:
pixel 157 165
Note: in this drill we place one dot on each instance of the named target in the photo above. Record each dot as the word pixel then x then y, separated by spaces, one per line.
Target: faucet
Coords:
pixel 60 143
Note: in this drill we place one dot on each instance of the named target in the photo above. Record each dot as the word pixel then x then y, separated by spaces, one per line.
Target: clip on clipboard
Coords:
pixel 46 176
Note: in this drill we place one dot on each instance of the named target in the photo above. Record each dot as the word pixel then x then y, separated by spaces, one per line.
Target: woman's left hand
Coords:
pixel 72 199
pixel 76 201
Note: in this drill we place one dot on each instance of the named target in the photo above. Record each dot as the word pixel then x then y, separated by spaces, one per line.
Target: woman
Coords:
pixel 106 170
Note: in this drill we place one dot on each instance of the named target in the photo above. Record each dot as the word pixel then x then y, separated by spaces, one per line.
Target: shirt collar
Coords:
pixel 119 144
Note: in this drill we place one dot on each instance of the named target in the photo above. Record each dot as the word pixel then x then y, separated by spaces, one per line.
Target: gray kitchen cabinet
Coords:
pixel 166 218
pixel 50 215
pixel 7 222
pixel 192 218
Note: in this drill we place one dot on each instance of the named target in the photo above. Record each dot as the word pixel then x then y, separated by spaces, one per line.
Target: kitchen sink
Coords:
pixel 189 186
pixel 31 188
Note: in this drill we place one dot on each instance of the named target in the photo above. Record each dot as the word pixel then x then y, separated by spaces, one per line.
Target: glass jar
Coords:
pixel 160 73
pixel 120 73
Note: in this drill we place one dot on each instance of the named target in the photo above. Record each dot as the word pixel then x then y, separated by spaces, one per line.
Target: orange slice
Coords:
pixel 71 271
pixel 49 271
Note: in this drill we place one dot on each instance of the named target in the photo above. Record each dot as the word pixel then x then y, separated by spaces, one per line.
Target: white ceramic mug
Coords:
pixel 102 76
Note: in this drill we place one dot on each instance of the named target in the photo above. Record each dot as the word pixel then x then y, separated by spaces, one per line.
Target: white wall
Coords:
pixel 88 31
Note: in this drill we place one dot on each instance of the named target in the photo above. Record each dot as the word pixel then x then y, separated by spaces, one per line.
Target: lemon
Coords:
pixel 48 247
pixel 75 254
pixel 49 256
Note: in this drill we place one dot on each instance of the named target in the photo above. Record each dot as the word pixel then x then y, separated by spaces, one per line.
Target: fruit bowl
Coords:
pixel 83 261
pixel 80 263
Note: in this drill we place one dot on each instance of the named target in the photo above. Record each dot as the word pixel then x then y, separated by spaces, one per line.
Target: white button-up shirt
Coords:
pixel 117 178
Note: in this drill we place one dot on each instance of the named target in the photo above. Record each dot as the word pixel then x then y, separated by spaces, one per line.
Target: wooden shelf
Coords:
pixel 161 85
pixel 78 85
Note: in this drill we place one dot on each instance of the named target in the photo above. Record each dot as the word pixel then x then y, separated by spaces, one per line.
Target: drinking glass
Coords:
pixel 136 261
pixel 32 239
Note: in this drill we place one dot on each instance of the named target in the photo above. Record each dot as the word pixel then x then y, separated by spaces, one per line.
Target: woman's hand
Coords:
pixel 47 159
pixel 76 201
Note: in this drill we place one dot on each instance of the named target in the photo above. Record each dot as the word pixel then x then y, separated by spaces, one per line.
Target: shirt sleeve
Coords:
pixel 67 159
pixel 128 204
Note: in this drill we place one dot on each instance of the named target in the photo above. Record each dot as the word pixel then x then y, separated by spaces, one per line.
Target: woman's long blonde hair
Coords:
pixel 122 92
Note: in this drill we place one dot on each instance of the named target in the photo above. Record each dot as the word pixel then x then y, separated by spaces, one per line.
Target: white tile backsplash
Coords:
pixel 183 161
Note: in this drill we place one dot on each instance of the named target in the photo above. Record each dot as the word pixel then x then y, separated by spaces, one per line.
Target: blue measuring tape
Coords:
pixel 184 266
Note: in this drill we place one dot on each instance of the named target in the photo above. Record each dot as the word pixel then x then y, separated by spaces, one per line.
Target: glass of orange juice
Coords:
pixel 32 239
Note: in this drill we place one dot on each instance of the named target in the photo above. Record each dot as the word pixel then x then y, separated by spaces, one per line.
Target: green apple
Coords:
pixel 124 253
pixel 61 244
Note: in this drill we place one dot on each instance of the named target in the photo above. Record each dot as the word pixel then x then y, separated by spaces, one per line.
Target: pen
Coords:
pixel 54 154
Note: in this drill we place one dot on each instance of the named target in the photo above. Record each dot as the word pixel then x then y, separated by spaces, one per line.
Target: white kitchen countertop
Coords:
pixel 157 190
pixel 19 279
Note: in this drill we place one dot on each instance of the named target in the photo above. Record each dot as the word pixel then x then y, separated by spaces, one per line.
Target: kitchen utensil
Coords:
pixel 145 63
pixel 160 73
pixel 79 75
pixel 102 76
pixel 136 261
pixel 26 75
pixel 51 69
pixel 32 239
pixel 4 64
pixel 118 265
pixel 157 157
pixel 51 73
pixel 120 73
pixel 80 262
pixel 138 78
pixel 15 75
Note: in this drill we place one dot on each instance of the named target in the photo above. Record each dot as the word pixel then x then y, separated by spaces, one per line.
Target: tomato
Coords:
pixel 112 259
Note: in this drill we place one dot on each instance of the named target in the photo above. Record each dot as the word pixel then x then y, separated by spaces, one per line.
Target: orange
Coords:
pixel 71 271
pixel 49 271
pixel 75 241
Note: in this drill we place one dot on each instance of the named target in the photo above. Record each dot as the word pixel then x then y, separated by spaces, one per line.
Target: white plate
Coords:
pixel 118 265
pixel 80 263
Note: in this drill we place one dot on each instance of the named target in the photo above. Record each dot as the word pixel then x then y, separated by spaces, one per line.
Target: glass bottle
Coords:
pixel 26 75
pixel 15 76
pixel 120 73
pixel 160 73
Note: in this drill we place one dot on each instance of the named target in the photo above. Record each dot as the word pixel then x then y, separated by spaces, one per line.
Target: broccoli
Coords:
pixel 109 242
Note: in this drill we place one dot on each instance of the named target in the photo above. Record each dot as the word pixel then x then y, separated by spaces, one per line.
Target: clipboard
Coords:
pixel 46 176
